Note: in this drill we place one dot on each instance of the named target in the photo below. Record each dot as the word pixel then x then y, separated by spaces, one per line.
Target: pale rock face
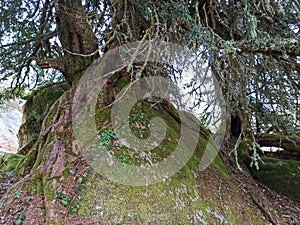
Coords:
pixel 10 121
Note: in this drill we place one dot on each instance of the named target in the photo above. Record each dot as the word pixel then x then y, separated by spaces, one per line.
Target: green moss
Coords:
pixel 9 163
pixel 280 175
pixel 139 205
pixel 66 172
pixel 36 185
pixel 28 161
pixel 220 167
pixel 176 200
pixel 33 185
pixel 231 216
pixel 259 221
pixel 139 119
pixel 102 117
pixel 48 191
pixel 45 148
pixel 181 199
pixel 36 108
pixel 123 82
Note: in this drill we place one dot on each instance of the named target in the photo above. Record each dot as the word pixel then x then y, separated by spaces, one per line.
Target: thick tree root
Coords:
pixel 262 209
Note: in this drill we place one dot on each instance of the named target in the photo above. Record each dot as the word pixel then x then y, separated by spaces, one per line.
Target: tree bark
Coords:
pixel 78 41
pixel 288 143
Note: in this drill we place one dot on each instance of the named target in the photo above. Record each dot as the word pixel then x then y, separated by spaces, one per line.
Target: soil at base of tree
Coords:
pixel 279 209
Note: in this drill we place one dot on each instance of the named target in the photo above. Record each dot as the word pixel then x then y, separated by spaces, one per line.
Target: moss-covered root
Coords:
pixel 262 209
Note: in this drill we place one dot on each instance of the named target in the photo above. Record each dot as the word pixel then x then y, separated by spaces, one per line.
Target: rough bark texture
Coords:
pixel 53 154
pixel 79 43
pixel 288 143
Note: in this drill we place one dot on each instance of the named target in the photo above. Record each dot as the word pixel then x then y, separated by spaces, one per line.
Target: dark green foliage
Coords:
pixel 26 28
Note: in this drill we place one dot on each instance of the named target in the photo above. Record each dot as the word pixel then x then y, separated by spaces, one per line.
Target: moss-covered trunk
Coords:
pixel 64 189
pixel 58 186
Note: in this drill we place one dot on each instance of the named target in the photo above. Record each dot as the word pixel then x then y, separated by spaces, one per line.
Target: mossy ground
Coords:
pixel 282 176
pixel 189 197
pixel 9 163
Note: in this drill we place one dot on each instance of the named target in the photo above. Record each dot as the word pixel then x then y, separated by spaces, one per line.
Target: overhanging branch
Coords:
pixel 288 143
pixel 289 46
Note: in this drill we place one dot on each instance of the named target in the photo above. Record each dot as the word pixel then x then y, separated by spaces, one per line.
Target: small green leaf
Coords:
pixel 18 221
pixel 22 216
pixel 57 195
pixel 65 201
pixel 85 174
pixel 18 194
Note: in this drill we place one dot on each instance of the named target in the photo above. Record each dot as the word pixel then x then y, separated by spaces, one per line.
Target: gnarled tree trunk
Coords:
pixel 79 43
